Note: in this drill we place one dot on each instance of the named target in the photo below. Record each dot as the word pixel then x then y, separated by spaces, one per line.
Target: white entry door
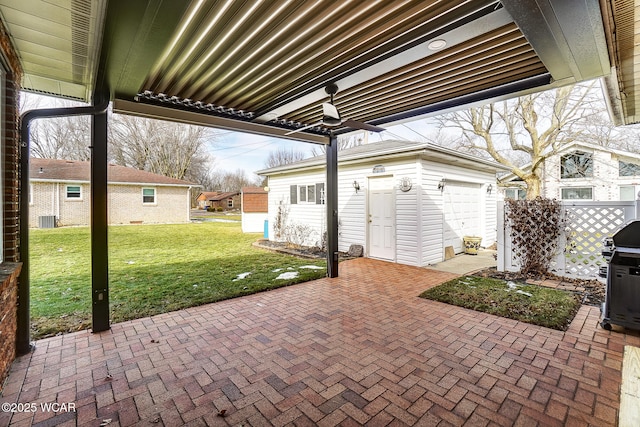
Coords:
pixel 462 213
pixel 382 233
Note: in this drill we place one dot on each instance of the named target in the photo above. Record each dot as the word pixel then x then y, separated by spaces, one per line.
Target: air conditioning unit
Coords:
pixel 47 221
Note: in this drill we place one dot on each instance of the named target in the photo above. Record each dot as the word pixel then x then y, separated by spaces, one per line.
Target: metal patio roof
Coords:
pixel 261 66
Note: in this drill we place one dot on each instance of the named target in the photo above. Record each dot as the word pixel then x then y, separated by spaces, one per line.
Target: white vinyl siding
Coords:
pixel 418 212
pixel 433 206
pixel 298 214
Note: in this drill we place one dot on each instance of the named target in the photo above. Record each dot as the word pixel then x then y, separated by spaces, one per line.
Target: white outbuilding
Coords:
pixel 402 201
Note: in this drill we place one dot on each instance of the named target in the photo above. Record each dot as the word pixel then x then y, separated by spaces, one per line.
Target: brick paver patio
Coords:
pixel 361 349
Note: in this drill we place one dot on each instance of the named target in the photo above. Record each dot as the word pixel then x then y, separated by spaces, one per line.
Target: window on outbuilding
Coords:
pixel 576 165
pixel 229 203
pixel 148 196
pixel 307 194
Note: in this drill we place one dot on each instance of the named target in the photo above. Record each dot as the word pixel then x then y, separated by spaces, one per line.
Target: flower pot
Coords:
pixel 471 244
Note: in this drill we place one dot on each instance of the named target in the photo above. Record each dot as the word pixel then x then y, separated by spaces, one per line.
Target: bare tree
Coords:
pixel 166 148
pixel 283 156
pixel 230 181
pixel 530 128
pixel 162 147
pixel 61 137
pixel 344 142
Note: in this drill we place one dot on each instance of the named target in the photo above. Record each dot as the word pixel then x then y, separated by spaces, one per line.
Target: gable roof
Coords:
pixel 576 145
pixel 215 196
pixel 78 171
pixel 384 150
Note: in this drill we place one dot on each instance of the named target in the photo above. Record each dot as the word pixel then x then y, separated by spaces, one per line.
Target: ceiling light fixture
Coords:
pixel 437 44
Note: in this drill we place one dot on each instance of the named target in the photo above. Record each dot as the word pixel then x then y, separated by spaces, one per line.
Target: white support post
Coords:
pixel 500 237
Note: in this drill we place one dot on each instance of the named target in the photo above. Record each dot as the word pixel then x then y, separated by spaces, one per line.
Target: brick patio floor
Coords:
pixel 361 349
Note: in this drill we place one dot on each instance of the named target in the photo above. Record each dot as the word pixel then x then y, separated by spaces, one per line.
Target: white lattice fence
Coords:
pixel 589 224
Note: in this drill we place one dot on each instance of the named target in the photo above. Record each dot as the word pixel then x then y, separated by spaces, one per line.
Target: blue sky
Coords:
pixel 235 150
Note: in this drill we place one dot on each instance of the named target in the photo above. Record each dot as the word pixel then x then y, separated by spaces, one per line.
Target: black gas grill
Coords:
pixel 622 300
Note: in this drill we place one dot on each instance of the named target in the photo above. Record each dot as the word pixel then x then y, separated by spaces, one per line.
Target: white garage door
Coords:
pixel 462 213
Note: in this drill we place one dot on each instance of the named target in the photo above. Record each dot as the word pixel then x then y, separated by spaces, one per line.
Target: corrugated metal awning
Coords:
pixel 264 64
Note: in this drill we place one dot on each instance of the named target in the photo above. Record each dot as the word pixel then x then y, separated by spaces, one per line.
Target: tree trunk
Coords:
pixel 534 186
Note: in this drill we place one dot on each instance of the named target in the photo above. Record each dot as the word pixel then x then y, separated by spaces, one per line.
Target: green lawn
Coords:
pixel 152 269
pixel 527 303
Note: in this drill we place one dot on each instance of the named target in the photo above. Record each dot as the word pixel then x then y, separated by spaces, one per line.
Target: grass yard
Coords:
pixel 527 303
pixel 152 269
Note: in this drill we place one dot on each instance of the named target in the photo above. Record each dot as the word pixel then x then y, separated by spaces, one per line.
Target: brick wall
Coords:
pixel 8 324
pixel 10 146
pixel 124 205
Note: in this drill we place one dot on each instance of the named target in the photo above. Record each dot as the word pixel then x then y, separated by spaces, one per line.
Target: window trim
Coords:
pixel 155 196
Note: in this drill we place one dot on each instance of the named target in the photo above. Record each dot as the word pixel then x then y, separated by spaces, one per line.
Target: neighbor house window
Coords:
pixel 577 193
pixel 74 192
pixel 312 194
pixel 627 192
pixel 628 169
pixel 515 193
pixel 229 203
pixel 576 165
pixel 148 195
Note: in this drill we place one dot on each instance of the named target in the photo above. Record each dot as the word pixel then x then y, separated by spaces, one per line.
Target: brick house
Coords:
pixel 60 195
pixel 255 209
pixel 227 200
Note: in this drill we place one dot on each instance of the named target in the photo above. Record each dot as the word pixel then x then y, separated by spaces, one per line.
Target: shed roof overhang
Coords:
pixel 261 67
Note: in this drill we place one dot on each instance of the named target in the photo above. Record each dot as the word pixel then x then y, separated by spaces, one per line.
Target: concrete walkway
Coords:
pixel 361 349
pixel 465 264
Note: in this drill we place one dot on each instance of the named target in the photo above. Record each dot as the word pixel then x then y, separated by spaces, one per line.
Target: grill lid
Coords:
pixel 628 236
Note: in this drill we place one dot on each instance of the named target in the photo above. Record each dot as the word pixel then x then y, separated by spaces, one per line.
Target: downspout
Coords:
pixel 23 336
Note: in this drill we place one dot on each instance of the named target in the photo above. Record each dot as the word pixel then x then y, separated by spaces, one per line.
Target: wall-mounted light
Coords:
pixel 489 188
pixel 441 184
pixel 356 185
